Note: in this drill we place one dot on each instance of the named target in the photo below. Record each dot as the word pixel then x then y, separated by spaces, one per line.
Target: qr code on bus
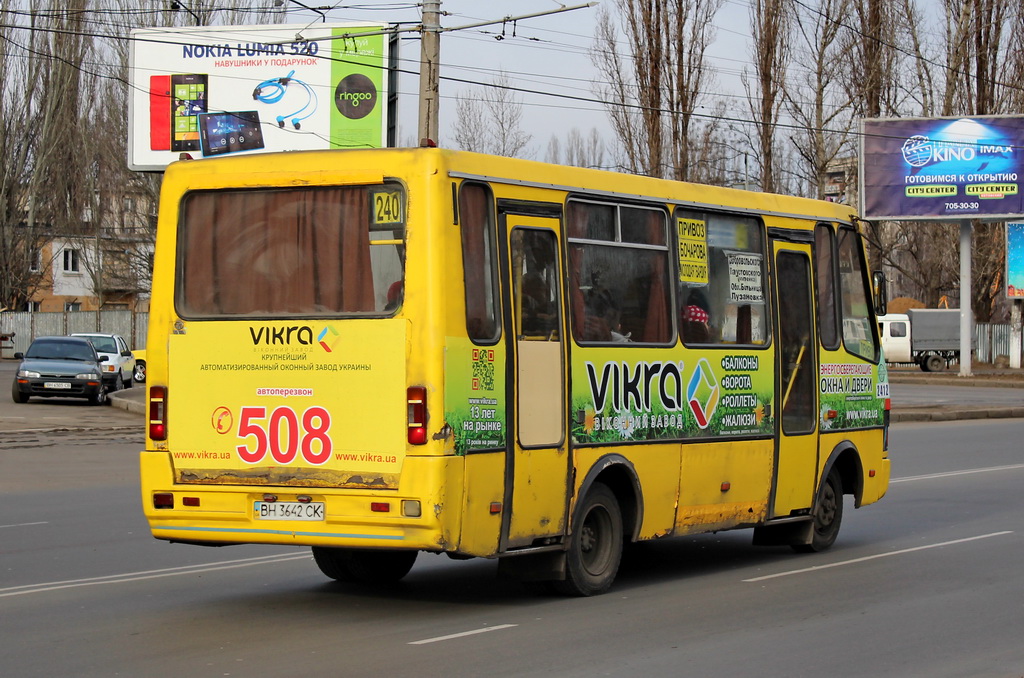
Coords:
pixel 483 369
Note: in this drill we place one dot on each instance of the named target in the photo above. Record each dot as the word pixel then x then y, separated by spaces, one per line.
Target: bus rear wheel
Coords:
pixel 364 566
pixel 595 547
pixel 828 515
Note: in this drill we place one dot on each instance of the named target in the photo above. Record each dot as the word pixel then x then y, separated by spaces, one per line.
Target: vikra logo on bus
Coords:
pixel 302 335
pixel 629 387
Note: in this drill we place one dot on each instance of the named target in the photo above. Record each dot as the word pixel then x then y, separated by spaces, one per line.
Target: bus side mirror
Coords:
pixel 880 292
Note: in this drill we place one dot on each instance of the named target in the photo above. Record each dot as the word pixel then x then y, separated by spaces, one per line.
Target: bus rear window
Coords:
pixel 291 252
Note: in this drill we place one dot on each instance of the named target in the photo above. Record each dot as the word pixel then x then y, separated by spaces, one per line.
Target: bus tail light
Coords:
pixel 416 397
pixel 158 413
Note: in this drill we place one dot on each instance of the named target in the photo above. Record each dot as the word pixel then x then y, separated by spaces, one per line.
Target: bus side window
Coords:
pixel 476 219
pixel 619 289
pixel 722 277
pixel 825 276
pixel 858 333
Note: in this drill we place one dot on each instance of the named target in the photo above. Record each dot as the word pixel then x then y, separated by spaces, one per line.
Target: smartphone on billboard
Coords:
pixel 188 100
pixel 230 132
pixel 159 112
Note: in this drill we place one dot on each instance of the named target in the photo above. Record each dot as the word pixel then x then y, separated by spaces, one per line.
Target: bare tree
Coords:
pixel 770 25
pixel 666 77
pixel 19 244
pixel 471 126
pixel 814 97
pixel 580 150
pixel 491 123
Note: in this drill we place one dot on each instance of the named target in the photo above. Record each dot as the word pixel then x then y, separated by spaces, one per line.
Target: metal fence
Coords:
pixel 992 341
pixel 25 327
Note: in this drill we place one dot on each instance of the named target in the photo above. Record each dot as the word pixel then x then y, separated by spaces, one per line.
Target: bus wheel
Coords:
pixel 595 548
pixel 828 515
pixel 363 566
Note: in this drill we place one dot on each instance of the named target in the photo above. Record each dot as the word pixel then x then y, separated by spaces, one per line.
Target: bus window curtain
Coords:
pixel 657 328
pixel 277 252
pixel 474 216
pixel 577 224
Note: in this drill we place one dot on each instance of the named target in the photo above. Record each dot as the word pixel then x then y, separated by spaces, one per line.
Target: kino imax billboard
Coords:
pixel 942 168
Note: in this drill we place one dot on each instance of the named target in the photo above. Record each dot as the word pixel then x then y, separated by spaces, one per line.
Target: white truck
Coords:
pixel 929 337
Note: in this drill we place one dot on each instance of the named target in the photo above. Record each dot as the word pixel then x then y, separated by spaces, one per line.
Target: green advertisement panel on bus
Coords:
pixel 475 395
pixel 650 398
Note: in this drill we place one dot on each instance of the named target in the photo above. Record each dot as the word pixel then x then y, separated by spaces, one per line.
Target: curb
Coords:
pixel 127 403
pixel 925 414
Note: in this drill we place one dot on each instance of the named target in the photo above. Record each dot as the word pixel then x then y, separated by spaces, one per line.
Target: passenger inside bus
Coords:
pixel 395 294
pixel 602 319
pixel 696 319
pixel 540 317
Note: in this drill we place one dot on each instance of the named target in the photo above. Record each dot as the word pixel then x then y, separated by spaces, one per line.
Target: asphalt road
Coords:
pixel 925 583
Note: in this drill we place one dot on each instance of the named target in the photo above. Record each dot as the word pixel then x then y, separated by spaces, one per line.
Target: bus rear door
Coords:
pixel 796 346
pixel 537 461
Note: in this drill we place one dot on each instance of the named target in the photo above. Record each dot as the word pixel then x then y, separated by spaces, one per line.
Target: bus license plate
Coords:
pixel 289 510
pixel 56 384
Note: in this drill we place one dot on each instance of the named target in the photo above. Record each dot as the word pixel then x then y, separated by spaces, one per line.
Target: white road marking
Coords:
pixel 929 476
pixel 878 555
pixel 25 524
pixel 149 574
pixel 438 639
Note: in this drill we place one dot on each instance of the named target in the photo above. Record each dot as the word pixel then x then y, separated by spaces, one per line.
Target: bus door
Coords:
pixel 796 357
pixel 537 461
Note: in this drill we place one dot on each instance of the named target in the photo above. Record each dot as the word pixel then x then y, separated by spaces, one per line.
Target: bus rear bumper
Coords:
pixel 218 515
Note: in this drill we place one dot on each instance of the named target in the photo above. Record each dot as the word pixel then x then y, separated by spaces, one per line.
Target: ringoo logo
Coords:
pixel 323 338
pixel 355 96
pixel 702 392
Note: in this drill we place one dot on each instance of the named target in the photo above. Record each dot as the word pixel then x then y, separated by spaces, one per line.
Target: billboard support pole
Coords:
pixel 1015 333
pixel 966 316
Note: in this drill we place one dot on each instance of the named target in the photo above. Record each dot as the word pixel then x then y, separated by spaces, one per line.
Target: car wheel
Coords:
pixel 17 395
pixel 118 383
pixel 140 371
pixel 100 397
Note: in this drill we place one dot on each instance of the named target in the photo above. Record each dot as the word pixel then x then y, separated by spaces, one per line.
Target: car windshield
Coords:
pixel 60 350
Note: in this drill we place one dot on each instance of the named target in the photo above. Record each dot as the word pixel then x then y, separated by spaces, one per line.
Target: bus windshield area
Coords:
pixel 325 250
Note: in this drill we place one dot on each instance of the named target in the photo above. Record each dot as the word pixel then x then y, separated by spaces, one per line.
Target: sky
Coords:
pixel 548 56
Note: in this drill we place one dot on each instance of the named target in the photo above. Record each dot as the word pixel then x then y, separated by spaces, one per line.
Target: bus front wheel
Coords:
pixel 595 547
pixel 828 515
pixel 364 566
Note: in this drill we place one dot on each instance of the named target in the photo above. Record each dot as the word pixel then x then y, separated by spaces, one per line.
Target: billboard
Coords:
pixel 942 168
pixel 216 90
pixel 1015 260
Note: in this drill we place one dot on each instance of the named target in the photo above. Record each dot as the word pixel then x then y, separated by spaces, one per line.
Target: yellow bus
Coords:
pixel 380 352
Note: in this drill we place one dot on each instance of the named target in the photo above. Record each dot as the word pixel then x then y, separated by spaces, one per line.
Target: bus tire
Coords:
pixel 364 566
pixel 828 515
pixel 595 547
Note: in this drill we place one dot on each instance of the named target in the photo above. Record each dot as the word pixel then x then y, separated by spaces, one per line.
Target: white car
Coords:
pixel 119 366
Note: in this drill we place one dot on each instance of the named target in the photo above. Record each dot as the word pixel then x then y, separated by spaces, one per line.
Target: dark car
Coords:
pixel 61 367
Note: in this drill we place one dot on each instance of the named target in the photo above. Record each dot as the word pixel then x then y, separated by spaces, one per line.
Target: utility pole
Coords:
pixel 430 56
